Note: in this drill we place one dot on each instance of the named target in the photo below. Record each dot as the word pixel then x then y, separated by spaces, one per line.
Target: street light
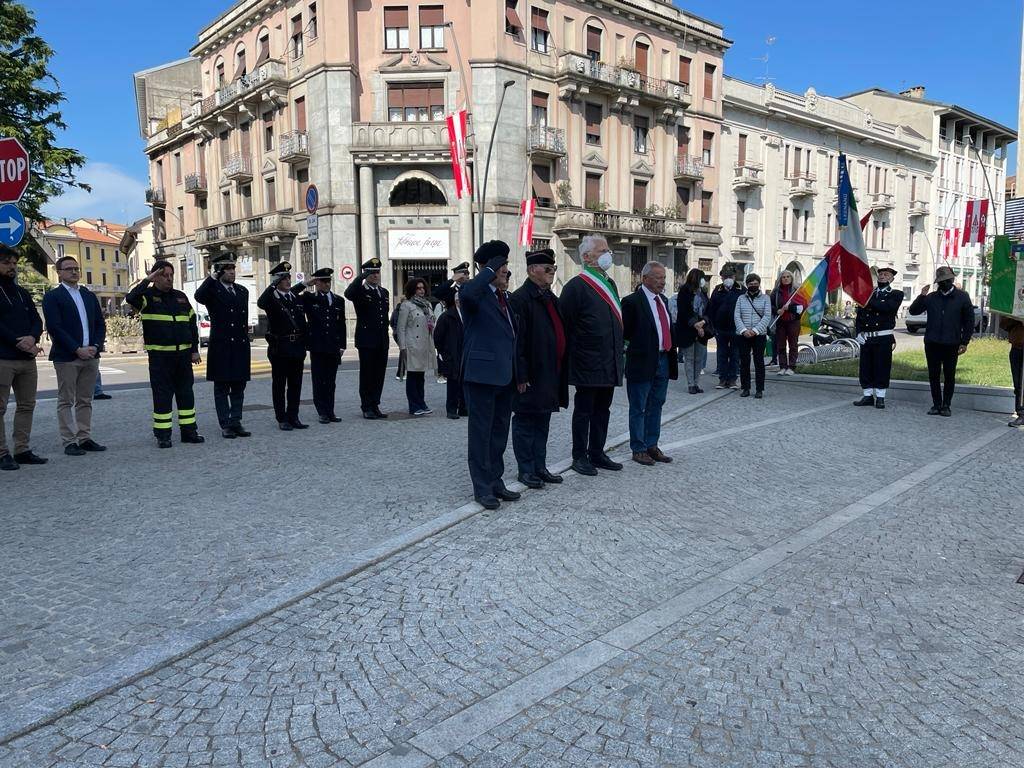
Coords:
pixel 490 147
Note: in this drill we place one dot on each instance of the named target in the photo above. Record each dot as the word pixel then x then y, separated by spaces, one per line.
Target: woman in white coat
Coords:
pixel 416 339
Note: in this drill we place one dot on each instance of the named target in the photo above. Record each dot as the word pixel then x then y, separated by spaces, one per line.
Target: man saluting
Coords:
pixel 875 323
pixel 371 303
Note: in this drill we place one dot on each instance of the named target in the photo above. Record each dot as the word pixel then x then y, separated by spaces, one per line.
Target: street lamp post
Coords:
pixel 490 147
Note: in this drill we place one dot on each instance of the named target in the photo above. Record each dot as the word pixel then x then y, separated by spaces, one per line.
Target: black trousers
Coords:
pixel 590 413
pixel 490 411
pixel 942 359
pixel 454 400
pixel 323 371
pixel 530 441
pixel 373 363
pixel 228 398
pixel 286 383
pixel 876 362
pixel 1016 357
pixel 752 347
pixel 170 379
pixel 415 390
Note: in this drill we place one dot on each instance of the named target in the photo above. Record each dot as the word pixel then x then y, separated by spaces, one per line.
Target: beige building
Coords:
pixel 611 119
pixel 93 242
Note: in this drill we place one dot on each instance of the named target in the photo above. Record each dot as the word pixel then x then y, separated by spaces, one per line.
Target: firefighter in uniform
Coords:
pixel 875 323
pixel 171 338
pixel 325 316
pixel 286 345
pixel 228 358
pixel 371 303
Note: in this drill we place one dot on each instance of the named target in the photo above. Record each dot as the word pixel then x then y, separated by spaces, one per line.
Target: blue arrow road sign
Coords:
pixel 12 225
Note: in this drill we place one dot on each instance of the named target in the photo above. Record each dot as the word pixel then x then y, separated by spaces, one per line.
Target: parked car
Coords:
pixel 204 329
pixel 917 323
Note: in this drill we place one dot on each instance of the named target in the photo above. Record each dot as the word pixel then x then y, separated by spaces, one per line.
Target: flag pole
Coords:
pixel 995 223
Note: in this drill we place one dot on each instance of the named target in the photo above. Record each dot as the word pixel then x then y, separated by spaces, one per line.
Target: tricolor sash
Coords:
pixel 604 288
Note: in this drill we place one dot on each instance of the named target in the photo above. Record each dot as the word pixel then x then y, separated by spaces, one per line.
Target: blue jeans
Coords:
pixel 646 399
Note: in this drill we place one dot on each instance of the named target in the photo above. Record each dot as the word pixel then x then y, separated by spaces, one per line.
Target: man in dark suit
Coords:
pixel 540 366
pixel 448 343
pixel 446 292
pixel 286 339
pixel 593 325
pixel 488 372
pixel 325 315
pixel 650 362
pixel 372 307
pixel 229 358
pixel 77 328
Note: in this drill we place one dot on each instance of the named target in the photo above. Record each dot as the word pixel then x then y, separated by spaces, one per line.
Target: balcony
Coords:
pixel 195 184
pixel 386 143
pixel 573 223
pixel 155 196
pixel 294 147
pixel 918 208
pixel 802 184
pixel 881 201
pixel 579 75
pixel 208 236
pixel 913 263
pixel 748 174
pixel 254 86
pixel 238 167
pixel 742 244
pixel 689 168
pixel 269 226
pixel 120 265
pixel 545 142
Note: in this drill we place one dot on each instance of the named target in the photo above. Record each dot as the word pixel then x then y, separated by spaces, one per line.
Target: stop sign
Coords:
pixel 14 174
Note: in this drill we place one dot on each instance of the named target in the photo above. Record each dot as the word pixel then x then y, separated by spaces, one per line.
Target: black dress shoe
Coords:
pixel 583 467
pixel 603 462
pixel 700 391
pixel 549 477
pixel 531 481
pixel 324 419
pixel 239 432
pixel 102 396
pixel 284 426
pixel 192 437
pixel 228 433
pixel 299 425
pixel 371 415
pixel 488 502
pixel 944 411
pixel 163 442
pixel 452 415
pixel 935 411
pixel 745 393
pixel 334 419
pixel 880 403
pixel 692 390
pixel 8 463
pixel 27 457
pixel 91 446
pixel 758 395
pixel 463 412
pixel 506 495
pixel 73 449
pixel 866 400
pixel 380 413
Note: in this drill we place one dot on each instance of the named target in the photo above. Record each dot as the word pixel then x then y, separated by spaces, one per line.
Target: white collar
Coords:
pixel 650 294
pixel 72 288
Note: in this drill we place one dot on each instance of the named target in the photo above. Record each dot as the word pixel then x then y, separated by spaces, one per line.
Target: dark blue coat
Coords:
pixel 488 339
pixel 640 329
pixel 65 326
pixel 229 355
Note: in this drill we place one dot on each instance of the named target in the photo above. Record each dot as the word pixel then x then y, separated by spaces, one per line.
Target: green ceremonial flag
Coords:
pixel 1007 286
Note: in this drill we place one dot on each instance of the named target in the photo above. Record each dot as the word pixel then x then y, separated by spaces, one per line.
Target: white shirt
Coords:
pixel 654 301
pixel 76 296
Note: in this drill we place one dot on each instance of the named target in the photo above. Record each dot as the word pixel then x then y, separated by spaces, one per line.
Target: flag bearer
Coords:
pixel 171 339
pixel 875 323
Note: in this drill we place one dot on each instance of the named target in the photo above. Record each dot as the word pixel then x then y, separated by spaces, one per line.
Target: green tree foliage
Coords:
pixel 28 108
pixel 31 280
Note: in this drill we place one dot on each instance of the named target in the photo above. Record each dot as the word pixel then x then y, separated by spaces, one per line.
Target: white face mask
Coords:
pixel 605 261
pixel 728 282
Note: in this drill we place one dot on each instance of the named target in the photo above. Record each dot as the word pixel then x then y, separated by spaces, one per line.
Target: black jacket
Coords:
pixel 594 333
pixel 287 332
pixel 328 334
pixel 168 320
pixel 228 357
pixel 537 362
pixel 641 332
pixel 879 314
pixel 372 310
pixel 722 308
pixel 18 317
pixel 448 343
pixel 686 318
pixel 950 318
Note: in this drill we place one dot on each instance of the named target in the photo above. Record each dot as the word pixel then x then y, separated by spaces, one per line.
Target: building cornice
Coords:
pixel 239 18
pixel 666 18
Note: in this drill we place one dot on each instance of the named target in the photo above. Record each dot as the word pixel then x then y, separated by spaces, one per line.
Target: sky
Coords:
pixel 966 53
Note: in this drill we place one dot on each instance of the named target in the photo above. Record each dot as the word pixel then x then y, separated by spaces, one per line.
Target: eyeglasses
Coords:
pixel 70 269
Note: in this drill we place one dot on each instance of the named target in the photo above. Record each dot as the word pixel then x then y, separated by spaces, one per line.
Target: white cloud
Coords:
pixel 115 196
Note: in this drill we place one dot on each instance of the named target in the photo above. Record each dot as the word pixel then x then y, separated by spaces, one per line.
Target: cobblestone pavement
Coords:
pixel 806 585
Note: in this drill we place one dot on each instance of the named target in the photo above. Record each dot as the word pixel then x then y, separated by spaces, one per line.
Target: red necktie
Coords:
pixel 666 334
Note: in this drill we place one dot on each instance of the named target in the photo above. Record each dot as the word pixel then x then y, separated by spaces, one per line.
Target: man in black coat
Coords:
pixel 650 362
pixel 946 335
pixel 446 292
pixel 875 323
pixel 228 358
pixel 593 327
pixel 325 316
pixel 540 367
pixel 287 337
pixel 372 307
pixel 721 311
pixel 448 343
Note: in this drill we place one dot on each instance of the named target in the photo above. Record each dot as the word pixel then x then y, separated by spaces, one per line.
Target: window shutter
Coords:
pixel 709 81
pixel 396 17
pixel 296 26
pixel 592 195
pixel 511 16
pixel 539 19
pixel 684 70
pixel 436 96
pixel 431 15
pixel 641 58
pixel 542 182
pixel 540 99
pixel 593 39
pixel 743 149
pixel 396 97
pixel 639 195
pixel 264 50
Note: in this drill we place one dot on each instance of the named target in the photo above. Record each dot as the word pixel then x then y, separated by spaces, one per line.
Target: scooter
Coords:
pixel 831 330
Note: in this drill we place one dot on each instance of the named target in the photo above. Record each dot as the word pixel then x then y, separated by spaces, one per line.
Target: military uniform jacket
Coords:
pixel 168 320
pixel 327 330
pixel 228 356
pixel 879 314
pixel 286 323
pixel 372 313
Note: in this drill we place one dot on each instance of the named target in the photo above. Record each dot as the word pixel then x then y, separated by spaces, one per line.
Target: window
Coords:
pixel 881 233
pixel 707 145
pixel 220 73
pixel 683 137
pixel 709 81
pixel 741 216
pixel 396 28
pixel 684 70
pixel 785 222
pixel 539 109
pixel 103 276
pixel 594 115
pixel 268 131
pixel 542 185
pixel 640 129
pixel 741 157
pixel 159 174
pixel 263 48
pixel 88 253
pixel 88 276
pixel 117 278
pixel 60 250
pixel 245 193
pixel 312 30
pixel 103 254
pixel 177 167
pixel 271 188
pixel 594 43
pixel 513 24
pixel 240 68
pixel 795 234
pixel 432 26
pixel 246 142
pixel 796 161
pixel 592 191
pixel 181 221
pixel 295 45
pixel 683 195
pixel 302 179
pixel 225 150
pixel 913 190
pixel 540 35
pixel 640 57
pixel 415 102
pixel 680 263
pixel 225 204
pixel 202 210
pixel 705 207
pixel 300 113
pixel 416 192
pixel 807 227
pixel 637 259
pixel 639 195
pixel 829 225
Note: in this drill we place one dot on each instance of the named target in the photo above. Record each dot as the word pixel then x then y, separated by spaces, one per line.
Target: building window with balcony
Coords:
pixel 313 31
pixel 640 57
pixel 640 131
pixel 263 47
pixel 741 217
pixel 225 204
pixel 203 211
pixel 594 115
pixel 224 147
pixel 300 113
pixel 684 70
pixel 639 196
pixel 432 27
pixel 741 152
pixel 268 131
pixel 683 197
pixel 594 43
pixel 707 147
pixel 542 185
pixel 271 194
pixel 637 259
pixel 513 24
pixel 539 109
pixel 177 167
pixel 415 102
pixel 709 81
pixel 302 180
pixel 219 73
pixel 592 192
pixel 416 192
pixel 795 234
pixel 540 35
pixel 240 69
pixel 683 140
pixel 246 139
pixel 296 46
pixel 396 28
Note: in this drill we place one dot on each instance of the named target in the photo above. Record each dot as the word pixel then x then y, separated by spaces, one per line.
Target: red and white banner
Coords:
pixel 950 244
pixel 457 127
pixel 977 220
pixel 956 244
pixel 527 212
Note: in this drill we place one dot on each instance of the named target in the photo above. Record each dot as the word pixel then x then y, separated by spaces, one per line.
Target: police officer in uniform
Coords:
pixel 325 316
pixel 875 323
pixel 286 339
pixel 372 307
pixel 228 359
pixel 171 338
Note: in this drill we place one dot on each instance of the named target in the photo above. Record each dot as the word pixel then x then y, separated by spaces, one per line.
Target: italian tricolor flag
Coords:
pixel 852 256
pixel 604 288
